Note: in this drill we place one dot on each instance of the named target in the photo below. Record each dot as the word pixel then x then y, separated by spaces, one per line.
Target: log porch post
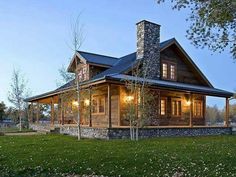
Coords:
pixel 90 107
pixel 109 105
pixel 62 111
pixel 52 111
pixel 226 122
pixel 37 113
pixel 31 112
pixel 191 111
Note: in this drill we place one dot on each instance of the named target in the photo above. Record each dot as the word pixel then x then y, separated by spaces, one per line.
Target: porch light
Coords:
pixel 86 102
pixel 129 98
pixel 188 102
pixel 75 103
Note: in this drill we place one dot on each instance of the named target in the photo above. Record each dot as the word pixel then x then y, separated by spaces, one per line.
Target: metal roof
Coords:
pixel 98 59
pixel 174 85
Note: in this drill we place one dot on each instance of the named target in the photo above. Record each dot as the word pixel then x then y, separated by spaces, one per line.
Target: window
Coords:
pixel 169 70
pixel 172 72
pixel 176 107
pixel 163 106
pixel 197 108
pixel 82 73
pixel 164 70
pixel 98 105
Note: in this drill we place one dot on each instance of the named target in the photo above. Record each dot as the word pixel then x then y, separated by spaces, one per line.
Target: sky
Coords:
pixel 35 38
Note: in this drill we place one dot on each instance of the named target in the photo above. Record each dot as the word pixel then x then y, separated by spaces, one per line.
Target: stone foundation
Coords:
pixel 124 133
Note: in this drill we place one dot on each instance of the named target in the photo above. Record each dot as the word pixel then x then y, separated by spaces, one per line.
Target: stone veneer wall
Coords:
pixel 148 47
pixel 123 133
pixel 40 127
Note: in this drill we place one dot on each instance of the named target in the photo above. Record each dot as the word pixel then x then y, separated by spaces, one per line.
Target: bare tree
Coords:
pixel 142 106
pixel 18 93
pixel 77 39
pixel 65 76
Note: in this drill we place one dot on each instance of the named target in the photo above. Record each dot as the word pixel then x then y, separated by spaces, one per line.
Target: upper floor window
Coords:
pixel 169 70
pixel 82 74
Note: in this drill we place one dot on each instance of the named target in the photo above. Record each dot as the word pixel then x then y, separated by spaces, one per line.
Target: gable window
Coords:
pixel 172 72
pixel 163 106
pixel 169 70
pixel 98 106
pixel 197 108
pixel 164 70
pixel 176 107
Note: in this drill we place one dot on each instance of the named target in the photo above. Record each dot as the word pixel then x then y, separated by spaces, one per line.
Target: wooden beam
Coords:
pixel 90 107
pixel 52 111
pixel 109 105
pixel 226 122
pixel 62 111
pixel 31 112
pixel 37 113
pixel 191 111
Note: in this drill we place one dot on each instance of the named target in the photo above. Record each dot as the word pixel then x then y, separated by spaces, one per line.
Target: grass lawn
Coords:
pixel 14 130
pixel 54 155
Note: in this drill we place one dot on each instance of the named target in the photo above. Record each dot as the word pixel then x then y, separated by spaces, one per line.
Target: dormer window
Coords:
pixel 169 71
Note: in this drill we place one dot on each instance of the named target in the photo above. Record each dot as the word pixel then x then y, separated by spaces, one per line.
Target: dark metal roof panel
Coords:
pixel 98 59
pixel 176 85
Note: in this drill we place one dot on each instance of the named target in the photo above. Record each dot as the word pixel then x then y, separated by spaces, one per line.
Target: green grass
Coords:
pixel 54 155
pixel 14 130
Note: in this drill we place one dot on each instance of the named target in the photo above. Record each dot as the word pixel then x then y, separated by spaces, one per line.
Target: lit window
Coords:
pixel 176 107
pixel 98 104
pixel 164 70
pixel 172 72
pixel 197 108
pixel 169 70
pixel 163 106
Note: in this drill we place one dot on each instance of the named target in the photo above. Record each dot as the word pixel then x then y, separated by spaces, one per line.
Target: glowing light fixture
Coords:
pixel 86 102
pixel 75 103
pixel 129 98
pixel 188 102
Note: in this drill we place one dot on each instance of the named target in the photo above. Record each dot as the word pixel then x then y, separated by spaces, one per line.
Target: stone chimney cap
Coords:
pixel 146 21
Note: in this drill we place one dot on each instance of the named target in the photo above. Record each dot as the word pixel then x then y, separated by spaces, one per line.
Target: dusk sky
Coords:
pixel 34 37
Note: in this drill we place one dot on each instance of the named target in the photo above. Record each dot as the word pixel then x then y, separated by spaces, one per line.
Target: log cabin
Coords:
pixel 179 86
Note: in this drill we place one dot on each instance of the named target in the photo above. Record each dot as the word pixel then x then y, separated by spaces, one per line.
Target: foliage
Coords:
pixel 212 23
pixel 144 106
pixel 12 113
pixel 2 110
pixel 57 155
pixel 65 76
pixel 18 93
pixel 214 115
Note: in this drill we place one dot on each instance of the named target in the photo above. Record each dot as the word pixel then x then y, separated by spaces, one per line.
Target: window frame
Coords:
pixel 163 115
pixel 169 64
pixel 195 109
pixel 98 105
pixel 180 111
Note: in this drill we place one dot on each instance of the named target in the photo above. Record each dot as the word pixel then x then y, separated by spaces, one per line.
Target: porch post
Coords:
pixel 90 107
pixel 52 111
pixel 62 112
pixel 109 105
pixel 37 113
pixel 191 111
pixel 31 112
pixel 226 122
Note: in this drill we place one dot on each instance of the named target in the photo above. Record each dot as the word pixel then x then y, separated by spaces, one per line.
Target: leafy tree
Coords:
pixel 18 93
pixel 2 110
pixel 12 113
pixel 65 76
pixel 212 23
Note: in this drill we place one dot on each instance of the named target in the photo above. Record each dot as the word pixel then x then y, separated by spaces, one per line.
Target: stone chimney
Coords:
pixel 148 47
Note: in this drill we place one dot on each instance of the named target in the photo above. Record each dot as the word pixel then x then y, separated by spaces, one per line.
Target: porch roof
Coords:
pixel 170 85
